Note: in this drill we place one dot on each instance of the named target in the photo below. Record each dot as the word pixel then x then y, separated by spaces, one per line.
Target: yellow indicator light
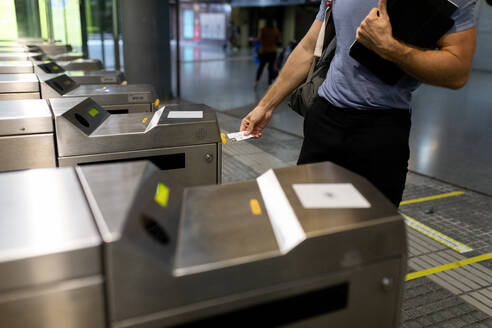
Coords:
pixel 162 194
pixel 93 112
pixel 157 102
pixel 145 120
pixel 255 207
pixel 124 83
pixel 223 137
pixel 56 68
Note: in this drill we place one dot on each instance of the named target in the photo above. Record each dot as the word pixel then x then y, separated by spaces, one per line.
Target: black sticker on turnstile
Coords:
pixel 41 57
pixel 62 84
pixel 87 116
pixel 51 67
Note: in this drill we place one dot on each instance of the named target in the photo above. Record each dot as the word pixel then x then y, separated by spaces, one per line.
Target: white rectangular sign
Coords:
pixel 330 195
pixel 185 114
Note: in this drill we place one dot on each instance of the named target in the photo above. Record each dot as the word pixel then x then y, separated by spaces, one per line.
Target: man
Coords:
pixel 358 121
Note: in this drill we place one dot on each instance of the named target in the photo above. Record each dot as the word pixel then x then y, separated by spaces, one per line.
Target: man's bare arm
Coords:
pixel 291 76
pixel 449 66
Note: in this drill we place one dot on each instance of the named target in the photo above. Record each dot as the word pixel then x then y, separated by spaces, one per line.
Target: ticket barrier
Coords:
pixel 90 77
pixel 74 65
pixel 19 86
pixel 84 133
pixel 26 135
pixel 16 67
pixel 80 77
pixel 211 256
pixel 115 98
pixel 19 56
pixel 124 98
pixel 190 147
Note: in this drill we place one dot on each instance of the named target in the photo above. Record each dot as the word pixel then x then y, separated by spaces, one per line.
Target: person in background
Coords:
pixel 269 37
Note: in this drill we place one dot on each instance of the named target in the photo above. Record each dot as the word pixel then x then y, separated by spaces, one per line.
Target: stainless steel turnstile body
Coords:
pixel 189 148
pixel 209 259
pixel 16 67
pixel 91 77
pixel 200 257
pixel 117 98
pixel 19 86
pixel 50 262
pixel 82 65
pixel 18 56
pixel 49 49
pixel 68 56
pixel 13 48
pixel 26 135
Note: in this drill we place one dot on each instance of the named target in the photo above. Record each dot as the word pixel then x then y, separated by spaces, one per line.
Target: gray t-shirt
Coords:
pixel 349 84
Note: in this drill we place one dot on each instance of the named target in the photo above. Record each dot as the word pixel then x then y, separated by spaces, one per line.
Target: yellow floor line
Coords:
pixel 449 266
pixel 426 199
pixel 436 235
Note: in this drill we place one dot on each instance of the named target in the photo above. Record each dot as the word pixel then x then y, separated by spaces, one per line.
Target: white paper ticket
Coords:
pixel 239 136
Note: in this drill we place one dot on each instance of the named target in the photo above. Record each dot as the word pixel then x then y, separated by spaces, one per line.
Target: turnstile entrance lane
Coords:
pixel 26 135
pixel 19 56
pixel 346 272
pixel 16 67
pixel 19 86
pixel 74 65
pixel 115 98
pixel 90 77
pixel 50 262
pixel 189 148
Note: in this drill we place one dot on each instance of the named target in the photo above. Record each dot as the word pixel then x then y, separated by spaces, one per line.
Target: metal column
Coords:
pixel 146 43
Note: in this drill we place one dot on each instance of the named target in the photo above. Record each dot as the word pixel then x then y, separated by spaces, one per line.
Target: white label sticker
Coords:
pixel 288 231
pixel 138 98
pixel 185 114
pixel 108 79
pixel 239 136
pixel 330 195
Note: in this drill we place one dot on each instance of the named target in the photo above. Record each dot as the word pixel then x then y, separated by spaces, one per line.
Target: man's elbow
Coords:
pixel 458 83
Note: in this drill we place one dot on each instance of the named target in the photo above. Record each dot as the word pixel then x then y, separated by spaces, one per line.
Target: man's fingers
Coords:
pixel 244 124
pixel 382 7
pixel 250 128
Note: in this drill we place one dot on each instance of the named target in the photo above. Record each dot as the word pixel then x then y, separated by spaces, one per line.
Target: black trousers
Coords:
pixel 268 58
pixel 371 143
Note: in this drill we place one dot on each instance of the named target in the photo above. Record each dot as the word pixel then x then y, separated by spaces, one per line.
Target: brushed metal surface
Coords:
pixel 54 49
pixel 205 242
pixel 196 172
pixel 18 83
pixel 16 67
pixel 20 96
pixel 67 56
pixel 97 77
pixel 116 94
pixel 46 221
pixel 82 65
pixel 75 303
pixel 145 292
pixel 13 48
pixel 14 56
pixel 27 152
pixel 25 117
pixel 130 132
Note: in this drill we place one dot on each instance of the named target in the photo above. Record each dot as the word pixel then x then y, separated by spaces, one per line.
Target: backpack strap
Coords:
pixel 318 50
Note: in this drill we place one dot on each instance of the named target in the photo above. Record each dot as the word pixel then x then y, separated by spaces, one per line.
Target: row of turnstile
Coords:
pixel 133 228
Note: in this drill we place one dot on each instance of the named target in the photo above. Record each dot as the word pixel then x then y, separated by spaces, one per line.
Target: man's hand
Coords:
pixel 375 31
pixel 256 121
